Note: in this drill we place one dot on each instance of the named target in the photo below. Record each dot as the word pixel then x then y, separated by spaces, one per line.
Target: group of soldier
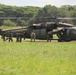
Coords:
pixel 20 35
pixel 8 36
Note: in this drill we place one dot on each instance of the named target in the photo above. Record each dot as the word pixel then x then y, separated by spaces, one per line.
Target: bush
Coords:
pixel 8 23
pixel 20 22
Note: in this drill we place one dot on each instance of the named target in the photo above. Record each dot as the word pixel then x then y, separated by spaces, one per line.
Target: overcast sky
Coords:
pixel 39 3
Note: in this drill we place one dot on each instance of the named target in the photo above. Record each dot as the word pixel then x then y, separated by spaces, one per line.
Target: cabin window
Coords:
pixel 37 32
pixel 43 31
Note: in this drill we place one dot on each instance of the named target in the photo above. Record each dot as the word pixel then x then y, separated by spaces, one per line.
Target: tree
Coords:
pixel 47 11
pixel 33 14
pixel 20 22
pixel 8 23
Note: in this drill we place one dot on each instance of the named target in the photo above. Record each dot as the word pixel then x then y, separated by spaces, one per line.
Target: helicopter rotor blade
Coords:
pixel 67 18
pixel 13 17
pixel 60 18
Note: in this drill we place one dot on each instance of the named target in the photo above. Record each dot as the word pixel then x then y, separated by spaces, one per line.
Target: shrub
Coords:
pixel 8 23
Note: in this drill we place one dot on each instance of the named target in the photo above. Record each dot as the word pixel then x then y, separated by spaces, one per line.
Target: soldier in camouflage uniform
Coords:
pixel 20 37
pixel 10 36
pixel 33 36
pixel 3 37
pixel 49 36
pixel 17 37
pixel 24 35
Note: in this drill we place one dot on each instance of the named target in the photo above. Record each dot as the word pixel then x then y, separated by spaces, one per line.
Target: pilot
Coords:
pixel 49 36
pixel 33 36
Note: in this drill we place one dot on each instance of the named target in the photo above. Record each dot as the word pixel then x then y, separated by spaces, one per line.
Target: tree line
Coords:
pixel 35 14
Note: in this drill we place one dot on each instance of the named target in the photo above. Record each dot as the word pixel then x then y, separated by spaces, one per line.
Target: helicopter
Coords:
pixel 64 31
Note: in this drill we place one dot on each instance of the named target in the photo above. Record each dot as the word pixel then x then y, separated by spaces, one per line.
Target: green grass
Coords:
pixel 37 58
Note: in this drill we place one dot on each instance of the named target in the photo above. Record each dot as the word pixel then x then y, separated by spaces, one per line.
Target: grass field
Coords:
pixel 38 58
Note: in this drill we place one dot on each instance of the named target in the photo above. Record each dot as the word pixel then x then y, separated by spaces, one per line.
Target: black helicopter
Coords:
pixel 64 31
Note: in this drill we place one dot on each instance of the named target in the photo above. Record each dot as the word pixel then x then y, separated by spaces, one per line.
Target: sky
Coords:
pixel 39 3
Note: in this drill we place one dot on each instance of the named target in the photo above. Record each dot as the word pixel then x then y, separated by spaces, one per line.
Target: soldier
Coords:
pixel 1 31
pixel 60 35
pixel 24 35
pixel 10 36
pixel 49 36
pixel 3 37
pixel 20 37
pixel 17 37
pixel 33 36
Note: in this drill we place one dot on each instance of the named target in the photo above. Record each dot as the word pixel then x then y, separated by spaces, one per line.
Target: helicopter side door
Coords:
pixel 73 33
pixel 40 33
